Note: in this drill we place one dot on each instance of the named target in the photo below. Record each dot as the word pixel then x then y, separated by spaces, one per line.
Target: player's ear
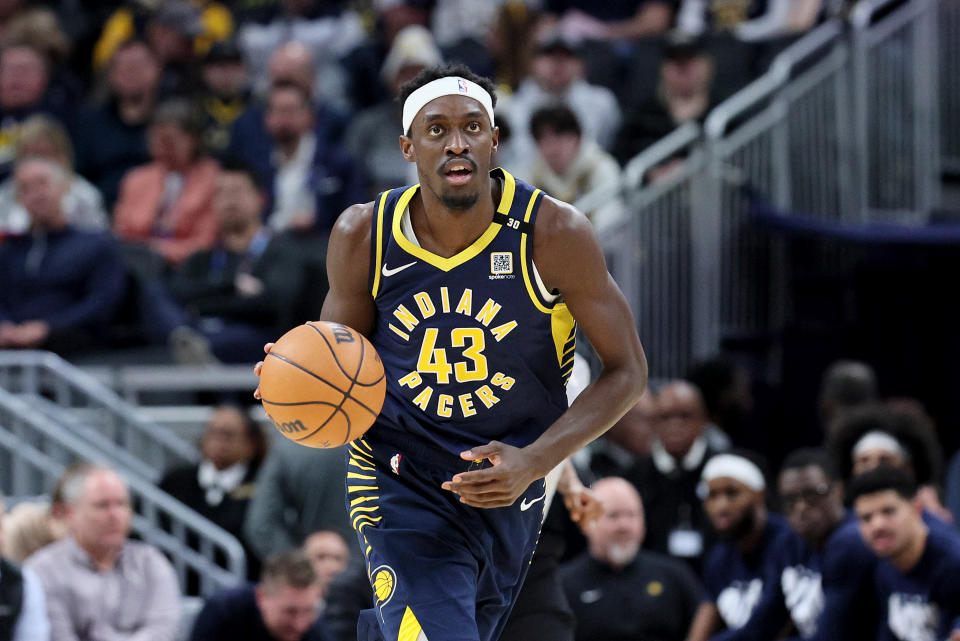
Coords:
pixel 496 139
pixel 406 148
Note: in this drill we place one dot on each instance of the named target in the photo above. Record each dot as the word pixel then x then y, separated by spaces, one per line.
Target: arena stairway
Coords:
pixel 52 414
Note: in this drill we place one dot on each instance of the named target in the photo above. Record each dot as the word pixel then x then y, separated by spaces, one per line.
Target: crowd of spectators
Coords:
pixel 691 536
pixel 168 174
pixel 146 113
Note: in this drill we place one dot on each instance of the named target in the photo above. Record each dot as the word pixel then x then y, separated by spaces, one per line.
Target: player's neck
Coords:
pixel 908 558
pixel 446 232
pixel 750 540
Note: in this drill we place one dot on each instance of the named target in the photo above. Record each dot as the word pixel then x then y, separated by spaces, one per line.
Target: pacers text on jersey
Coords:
pixel 436 366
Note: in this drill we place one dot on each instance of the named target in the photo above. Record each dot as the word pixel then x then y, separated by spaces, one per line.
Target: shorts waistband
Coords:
pixel 416 447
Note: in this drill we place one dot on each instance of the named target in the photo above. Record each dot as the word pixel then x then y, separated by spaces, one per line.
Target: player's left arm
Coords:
pixel 570 261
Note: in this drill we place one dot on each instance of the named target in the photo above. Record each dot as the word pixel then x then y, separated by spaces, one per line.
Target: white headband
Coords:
pixel 879 441
pixel 734 467
pixel 448 86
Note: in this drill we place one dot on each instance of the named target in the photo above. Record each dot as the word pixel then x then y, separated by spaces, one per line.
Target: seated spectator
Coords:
pixel 221 485
pixel 28 527
pixel 737 573
pixel 684 94
pixel 171 30
pixel 213 23
pixel 167 205
pixel 366 60
pixel 557 76
pixel 61 286
pixel 372 135
pixel 310 180
pixel 748 20
pixel 902 436
pixel 97 560
pixel 618 591
pixel 225 303
pixel 827 578
pixel 728 396
pixel 329 554
pixel 23 605
pixel 299 491
pixel 40 27
pixel 325 30
pixel 24 91
pixel 43 137
pixel 349 595
pixel 111 136
pixel 951 487
pixel 668 478
pixel 917 579
pixel 284 606
pixel 249 139
pixel 628 440
pixel 226 93
pixel 846 385
pixel 620 20
pixel 574 169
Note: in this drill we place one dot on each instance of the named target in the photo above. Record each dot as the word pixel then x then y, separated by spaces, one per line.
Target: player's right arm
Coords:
pixel 349 300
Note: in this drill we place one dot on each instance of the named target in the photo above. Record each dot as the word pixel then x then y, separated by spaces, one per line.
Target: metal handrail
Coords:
pixel 776 77
pixel 34 447
pixel 638 166
pixel 27 371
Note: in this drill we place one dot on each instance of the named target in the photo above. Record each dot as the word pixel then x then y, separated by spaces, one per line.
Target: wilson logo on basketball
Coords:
pixel 289 427
pixel 342 335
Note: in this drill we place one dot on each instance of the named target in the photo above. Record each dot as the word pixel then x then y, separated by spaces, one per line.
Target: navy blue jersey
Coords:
pixel 829 591
pixel 473 347
pixel 737 582
pixel 924 603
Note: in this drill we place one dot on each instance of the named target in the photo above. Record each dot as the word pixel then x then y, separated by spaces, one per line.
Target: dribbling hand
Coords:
pixel 258 367
pixel 497 486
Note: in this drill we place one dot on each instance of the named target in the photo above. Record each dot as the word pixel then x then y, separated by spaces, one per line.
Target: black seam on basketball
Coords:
pixel 263 400
pixel 332 351
pixel 359 364
pixel 339 408
pixel 319 378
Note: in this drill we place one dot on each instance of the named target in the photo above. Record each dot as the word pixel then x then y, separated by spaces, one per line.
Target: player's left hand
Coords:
pixel 955 635
pixel 497 486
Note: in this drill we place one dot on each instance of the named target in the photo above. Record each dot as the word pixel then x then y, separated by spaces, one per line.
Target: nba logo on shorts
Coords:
pixel 461 85
pixel 395 463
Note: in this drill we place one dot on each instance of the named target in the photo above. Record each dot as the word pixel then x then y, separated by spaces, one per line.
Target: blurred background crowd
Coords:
pixel 169 172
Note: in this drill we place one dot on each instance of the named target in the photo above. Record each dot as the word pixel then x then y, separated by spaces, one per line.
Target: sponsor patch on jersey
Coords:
pixel 501 263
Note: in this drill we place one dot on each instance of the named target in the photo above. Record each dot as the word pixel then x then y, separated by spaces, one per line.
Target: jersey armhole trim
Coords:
pixel 378 244
pixel 534 290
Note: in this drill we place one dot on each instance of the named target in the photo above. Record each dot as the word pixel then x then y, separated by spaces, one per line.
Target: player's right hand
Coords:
pixel 258 367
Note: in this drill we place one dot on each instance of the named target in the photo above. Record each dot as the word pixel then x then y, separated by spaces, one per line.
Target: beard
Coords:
pixel 622 554
pixel 741 527
pixel 461 202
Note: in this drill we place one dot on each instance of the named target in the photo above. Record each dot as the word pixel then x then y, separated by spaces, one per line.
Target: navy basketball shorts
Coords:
pixel 440 570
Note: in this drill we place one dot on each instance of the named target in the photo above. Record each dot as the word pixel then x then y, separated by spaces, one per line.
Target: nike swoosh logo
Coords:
pixel 524 506
pixel 387 272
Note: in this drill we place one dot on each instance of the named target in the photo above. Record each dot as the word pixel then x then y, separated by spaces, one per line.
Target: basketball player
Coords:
pixel 468 285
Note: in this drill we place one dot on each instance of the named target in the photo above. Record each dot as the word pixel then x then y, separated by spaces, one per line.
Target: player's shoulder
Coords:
pixel 353 228
pixel 557 219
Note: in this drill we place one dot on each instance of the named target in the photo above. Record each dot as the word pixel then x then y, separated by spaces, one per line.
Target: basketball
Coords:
pixel 322 384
